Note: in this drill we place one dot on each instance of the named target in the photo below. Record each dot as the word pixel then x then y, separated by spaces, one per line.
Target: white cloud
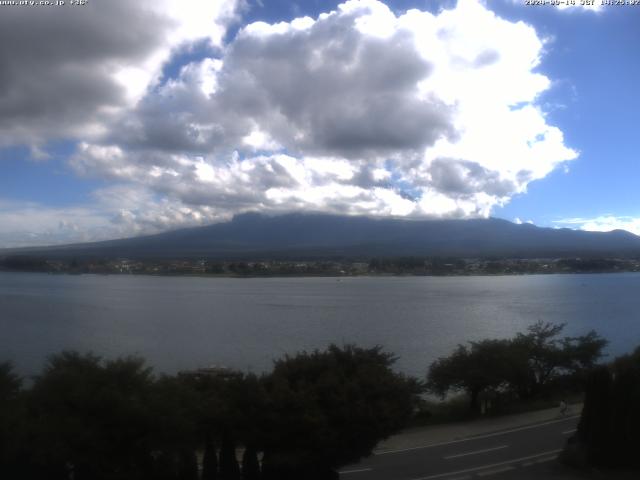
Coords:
pixel 25 224
pixel 114 212
pixel 603 223
pixel 358 111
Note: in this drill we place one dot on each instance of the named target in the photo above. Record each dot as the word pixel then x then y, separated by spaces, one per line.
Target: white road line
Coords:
pixel 504 432
pixel 567 432
pixel 486 467
pixel 496 470
pixel 548 459
pixel 360 470
pixel 476 452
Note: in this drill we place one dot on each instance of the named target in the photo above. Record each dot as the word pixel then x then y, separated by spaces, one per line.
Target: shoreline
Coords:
pixel 320 275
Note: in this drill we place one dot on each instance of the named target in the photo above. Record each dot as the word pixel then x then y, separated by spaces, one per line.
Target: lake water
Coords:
pixel 185 322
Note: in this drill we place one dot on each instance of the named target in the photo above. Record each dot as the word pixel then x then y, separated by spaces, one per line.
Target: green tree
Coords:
pixel 537 357
pixel 92 417
pixel 330 408
pixel 11 422
pixel 229 410
pixel 540 357
pixel 526 364
pixel 608 430
pixel 174 406
pixel 474 369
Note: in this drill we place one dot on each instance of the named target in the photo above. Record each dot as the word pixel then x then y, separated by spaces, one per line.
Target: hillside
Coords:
pixel 256 236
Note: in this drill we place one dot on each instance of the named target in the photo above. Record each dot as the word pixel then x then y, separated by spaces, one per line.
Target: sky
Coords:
pixel 122 118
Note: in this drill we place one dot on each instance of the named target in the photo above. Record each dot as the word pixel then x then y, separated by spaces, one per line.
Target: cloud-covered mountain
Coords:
pixel 308 236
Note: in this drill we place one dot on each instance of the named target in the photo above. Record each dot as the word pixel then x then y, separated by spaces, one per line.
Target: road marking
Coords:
pixel 492 465
pixel 548 459
pixel 495 470
pixel 386 452
pixel 567 432
pixel 360 470
pixel 476 452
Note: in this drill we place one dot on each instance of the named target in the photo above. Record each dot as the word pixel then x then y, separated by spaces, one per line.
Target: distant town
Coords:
pixel 334 267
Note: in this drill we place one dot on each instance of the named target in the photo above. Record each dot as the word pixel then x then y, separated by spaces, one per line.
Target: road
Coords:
pixel 505 453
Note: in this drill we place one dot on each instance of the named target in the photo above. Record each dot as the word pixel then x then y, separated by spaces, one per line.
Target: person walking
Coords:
pixel 563 408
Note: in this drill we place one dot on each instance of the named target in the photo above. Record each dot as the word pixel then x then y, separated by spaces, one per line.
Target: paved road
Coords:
pixel 504 453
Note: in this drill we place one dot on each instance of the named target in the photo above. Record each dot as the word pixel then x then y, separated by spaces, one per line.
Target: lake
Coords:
pixel 188 322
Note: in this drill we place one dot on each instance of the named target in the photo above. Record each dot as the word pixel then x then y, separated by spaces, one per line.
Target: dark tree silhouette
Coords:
pixel 11 422
pixel 526 365
pixel 229 468
pixel 210 462
pixel 188 465
pixel 92 418
pixel 607 434
pixel 330 408
pixel 474 369
pixel 250 464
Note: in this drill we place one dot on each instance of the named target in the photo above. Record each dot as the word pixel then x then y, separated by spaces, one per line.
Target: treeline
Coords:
pixel 84 417
pixel 532 364
pixel 88 418
pixel 24 263
pixel 497 266
pixel 328 267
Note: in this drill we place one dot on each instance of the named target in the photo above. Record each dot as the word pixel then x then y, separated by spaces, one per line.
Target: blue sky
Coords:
pixel 112 125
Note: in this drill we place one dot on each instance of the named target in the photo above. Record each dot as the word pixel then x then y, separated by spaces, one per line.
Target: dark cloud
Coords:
pixel 62 69
pixel 325 90
pixel 459 178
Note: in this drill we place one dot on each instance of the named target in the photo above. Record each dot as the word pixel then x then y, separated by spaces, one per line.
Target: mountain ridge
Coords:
pixel 318 235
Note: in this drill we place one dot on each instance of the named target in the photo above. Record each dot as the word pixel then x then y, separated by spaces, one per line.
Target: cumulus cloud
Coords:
pixel 30 224
pixel 66 72
pixel 117 211
pixel 603 223
pixel 360 111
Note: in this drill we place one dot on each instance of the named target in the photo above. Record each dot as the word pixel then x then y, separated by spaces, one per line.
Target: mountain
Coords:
pixel 312 236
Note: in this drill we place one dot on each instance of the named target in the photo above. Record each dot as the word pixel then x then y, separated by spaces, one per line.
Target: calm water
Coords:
pixel 180 322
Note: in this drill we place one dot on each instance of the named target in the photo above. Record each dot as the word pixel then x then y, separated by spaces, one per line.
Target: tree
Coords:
pixel 210 461
pixel 330 408
pixel 250 464
pixel 540 356
pixel 229 468
pixel 474 369
pixel 526 364
pixel 92 417
pixel 188 464
pixel 229 410
pixel 11 421
pixel 607 433
pixel 582 353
